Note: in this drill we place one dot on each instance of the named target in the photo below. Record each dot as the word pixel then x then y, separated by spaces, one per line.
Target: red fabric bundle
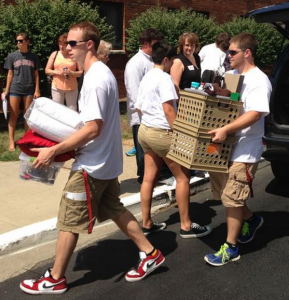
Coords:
pixel 33 140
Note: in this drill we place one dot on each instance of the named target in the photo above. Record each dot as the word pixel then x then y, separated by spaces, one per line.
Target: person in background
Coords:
pixel 156 101
pixel 22 82
pixel 135 69
pixel 236 186
pixel 92 189
pixel 186 67
pixel 131 152
pixel 103 51
pixel 64 72
pixel 213 58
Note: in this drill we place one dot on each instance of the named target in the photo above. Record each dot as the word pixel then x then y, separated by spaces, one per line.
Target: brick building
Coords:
pixel 119 12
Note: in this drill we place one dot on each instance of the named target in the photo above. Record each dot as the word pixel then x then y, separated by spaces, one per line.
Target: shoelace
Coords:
pixel 197 226
pixel 40 276
pixel 36 279
pixel 245 229
pixel 223 252
pixel 138 264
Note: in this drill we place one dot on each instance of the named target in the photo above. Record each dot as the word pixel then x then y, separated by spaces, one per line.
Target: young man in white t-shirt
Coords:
pixel 135 70
pixel 212 56
pixel 92 190
pixel 249 129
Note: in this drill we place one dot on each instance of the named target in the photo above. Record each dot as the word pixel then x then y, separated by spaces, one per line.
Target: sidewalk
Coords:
pixel 29 209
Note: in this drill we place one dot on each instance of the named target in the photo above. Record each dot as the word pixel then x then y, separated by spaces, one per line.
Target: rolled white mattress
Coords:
pixel 52 120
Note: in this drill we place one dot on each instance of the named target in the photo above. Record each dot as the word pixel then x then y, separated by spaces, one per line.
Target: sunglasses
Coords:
pixel 74 43
pixel 234 52
pixel 19 41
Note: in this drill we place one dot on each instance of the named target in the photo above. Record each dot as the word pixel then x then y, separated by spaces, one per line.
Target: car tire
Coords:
pixel 280 170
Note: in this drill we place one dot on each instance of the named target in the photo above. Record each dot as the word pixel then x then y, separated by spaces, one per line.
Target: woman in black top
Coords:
pixel 187 67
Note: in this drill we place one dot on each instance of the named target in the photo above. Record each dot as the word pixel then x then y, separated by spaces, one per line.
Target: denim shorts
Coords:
pixel 19 96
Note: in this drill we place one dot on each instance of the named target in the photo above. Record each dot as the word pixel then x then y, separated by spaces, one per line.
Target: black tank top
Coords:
pixel 190 73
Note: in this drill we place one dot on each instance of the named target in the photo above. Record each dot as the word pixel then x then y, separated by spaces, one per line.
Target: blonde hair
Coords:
pixel 104 48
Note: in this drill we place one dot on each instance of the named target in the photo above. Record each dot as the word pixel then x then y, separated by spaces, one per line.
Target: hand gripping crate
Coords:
pixel 201 112
pixel 196 151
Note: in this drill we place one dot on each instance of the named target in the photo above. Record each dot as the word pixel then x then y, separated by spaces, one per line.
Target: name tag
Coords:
pixel 191 68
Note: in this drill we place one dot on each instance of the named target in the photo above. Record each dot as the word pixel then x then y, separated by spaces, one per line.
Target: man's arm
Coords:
pixel 244 121
pixel 132 78
pixel 87 133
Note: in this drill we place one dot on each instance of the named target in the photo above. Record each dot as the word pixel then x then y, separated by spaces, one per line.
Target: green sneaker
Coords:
pixel 223 256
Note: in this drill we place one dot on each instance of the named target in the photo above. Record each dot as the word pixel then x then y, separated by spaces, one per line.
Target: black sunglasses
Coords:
pixel 19 41
pixel 233 52
pixel 73 43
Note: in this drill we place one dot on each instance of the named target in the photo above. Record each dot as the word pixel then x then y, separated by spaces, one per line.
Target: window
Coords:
pixel 113 12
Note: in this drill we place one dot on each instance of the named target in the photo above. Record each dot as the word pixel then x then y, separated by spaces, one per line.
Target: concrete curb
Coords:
pixel 46 231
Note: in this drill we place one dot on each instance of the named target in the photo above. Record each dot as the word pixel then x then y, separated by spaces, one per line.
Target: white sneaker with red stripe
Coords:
pixel 44 285
pixel 146 265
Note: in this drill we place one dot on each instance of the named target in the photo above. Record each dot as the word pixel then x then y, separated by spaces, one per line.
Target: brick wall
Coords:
pixel 221 10
pixel 117 62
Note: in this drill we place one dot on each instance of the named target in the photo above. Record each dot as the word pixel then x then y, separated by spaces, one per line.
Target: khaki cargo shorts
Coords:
pixel 155 139
pixel 237 189
pixel 73 215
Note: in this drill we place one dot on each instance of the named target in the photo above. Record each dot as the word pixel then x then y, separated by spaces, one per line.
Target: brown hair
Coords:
pixel 24 35
pixel 89 32
pixel 192 38
pixel 150 34
pixel 62 38
pixel 223 41
pixel 246 41
pixel 104 48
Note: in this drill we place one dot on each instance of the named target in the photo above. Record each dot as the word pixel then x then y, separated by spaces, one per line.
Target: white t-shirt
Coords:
pixel 135 70
pixel 212 58
pixel 102 157
pixel 156 88
pixel 255 95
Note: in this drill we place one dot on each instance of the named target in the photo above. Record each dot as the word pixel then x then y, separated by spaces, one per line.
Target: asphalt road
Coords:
pixel 97 272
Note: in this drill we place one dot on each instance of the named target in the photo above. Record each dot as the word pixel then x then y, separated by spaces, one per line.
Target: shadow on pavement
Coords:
pixel 212 202
pixel 275 226
pixel 279 188
pixel 113 258
pixel 199 212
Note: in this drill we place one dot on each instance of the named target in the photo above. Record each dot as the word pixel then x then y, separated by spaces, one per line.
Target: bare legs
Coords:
pixel 129 225
pixel 14 112
pixel 66 244
pixel 153 165
pixel 67 241
pixel 182 176
pixel 235 218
